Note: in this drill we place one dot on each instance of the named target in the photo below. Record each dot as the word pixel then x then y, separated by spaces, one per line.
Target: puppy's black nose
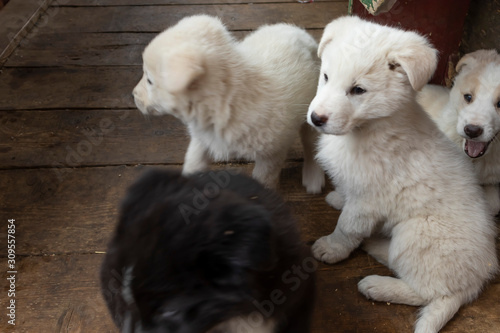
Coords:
pixel 318 120
pixel 473 131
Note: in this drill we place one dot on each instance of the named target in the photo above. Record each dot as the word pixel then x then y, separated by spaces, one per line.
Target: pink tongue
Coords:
pixel 474 149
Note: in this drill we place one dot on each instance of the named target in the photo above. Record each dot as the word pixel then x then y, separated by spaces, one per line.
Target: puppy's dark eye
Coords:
pixel 498 105
pixel 149 82
pixel 392 66
pixel 357 90
pixel 468 98
pixel 326 77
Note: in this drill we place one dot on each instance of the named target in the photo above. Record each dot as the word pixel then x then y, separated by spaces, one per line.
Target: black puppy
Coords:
pixel 214 252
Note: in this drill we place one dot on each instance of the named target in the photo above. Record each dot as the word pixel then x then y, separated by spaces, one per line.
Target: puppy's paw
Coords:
pixel 335 199
pixel 313 178
pixel 377 288
pixel 370 286
pixel 327 252
pixel 189 169
pixel 390 289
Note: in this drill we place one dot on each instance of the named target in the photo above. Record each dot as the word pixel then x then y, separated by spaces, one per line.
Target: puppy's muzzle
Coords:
pixel 145 109
pixel 473 131
pixel 318 120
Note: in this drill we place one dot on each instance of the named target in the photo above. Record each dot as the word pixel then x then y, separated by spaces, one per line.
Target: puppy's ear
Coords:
pixel 417 59
pixel 471 59
pixel 323 43
pixel 326 38
pixel 180 68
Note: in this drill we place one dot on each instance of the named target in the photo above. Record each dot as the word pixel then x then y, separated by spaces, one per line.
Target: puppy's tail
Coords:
pixel 437 313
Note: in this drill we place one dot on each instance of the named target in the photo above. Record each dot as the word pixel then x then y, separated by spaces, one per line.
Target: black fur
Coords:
pixel 205 249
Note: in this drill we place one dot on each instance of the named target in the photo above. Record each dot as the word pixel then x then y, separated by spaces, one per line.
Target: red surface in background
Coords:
pixel 442 21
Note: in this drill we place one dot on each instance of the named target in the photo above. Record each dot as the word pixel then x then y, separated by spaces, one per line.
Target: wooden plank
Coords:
pixel 18 19
pixel 84 3
pixel 70 138
pixel 74 210
pixel 86 49
pixel 157 18
pixel 58 294
pixel 63 211
pixel 76 138
pixel 92 49
pixel 56 88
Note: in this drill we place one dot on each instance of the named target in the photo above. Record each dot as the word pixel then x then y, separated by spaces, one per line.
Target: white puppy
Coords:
pixel 401 183
pixel 469 114
pixel 238 99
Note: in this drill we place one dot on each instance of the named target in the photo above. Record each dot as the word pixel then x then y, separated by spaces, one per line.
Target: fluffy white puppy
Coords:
pixel 238 99
pixel 402 184
pixel 469 114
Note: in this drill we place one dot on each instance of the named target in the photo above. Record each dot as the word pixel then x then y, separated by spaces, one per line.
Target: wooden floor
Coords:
pixel 71 141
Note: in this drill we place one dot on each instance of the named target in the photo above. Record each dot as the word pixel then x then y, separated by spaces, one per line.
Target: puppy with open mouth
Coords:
pixel 404 188
pixel 469 114
pixel 243 99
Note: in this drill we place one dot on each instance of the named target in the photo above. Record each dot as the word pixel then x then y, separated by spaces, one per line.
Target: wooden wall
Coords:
pixel 482 27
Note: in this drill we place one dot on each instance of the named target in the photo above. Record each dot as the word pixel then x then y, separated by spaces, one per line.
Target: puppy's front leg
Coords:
pixel 351 229
pixel 197 158
pixel 335 199
pixel 313 177
pixel 267 169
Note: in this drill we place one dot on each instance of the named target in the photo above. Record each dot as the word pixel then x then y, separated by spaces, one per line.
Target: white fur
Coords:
pixel 403 185
pixel 238 99
pixel 479 75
